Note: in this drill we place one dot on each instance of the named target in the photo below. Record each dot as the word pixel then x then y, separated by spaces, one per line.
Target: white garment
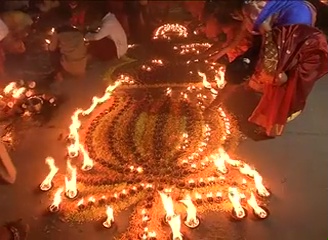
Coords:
pixel 3 30
pixel 112 29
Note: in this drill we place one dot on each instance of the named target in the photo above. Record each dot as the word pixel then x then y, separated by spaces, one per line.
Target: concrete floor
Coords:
pixel 294 166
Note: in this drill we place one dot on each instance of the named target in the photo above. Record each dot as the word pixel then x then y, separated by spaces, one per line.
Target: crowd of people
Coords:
pixel 274 48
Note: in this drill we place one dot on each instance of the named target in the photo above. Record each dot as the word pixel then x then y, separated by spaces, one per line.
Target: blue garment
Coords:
pixel 288 13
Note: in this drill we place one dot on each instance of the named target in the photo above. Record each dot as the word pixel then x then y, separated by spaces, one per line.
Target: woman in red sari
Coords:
pixel 293 56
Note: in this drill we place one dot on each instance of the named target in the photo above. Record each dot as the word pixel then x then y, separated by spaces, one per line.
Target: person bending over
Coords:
pixel 68 48
pixel 292 56
pixel 110 41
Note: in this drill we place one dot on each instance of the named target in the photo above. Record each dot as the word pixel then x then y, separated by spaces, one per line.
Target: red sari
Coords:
pixel 302 55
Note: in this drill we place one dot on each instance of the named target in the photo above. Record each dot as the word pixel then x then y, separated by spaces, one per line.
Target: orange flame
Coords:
pixel 70 184
pixel 234 198
pixel 87 161
pixel 57 198
pixel 262 191
pixel 220 78
pixel 81 202
pixel 257 209
pixel 73 148
pixel 110 217
pixel 206 83
pixel 247 170
pixel 47 182
pixel 167 204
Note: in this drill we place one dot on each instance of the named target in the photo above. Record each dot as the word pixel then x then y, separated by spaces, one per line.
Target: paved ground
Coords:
pixel 294 166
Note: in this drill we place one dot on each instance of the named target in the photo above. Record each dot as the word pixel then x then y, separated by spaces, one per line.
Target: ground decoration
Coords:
pixel 147 144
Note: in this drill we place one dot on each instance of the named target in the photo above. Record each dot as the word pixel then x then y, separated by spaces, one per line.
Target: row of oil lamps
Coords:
pixel 165 31
pixel 192 220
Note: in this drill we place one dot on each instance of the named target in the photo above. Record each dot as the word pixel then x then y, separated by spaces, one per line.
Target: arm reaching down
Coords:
pixel 237 40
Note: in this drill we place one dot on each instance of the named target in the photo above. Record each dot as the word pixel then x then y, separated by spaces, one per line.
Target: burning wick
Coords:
pixel 110 217
pixel 234 198
pixel 47 182
pixel 192 221
pixel 54 207
pixel 258 211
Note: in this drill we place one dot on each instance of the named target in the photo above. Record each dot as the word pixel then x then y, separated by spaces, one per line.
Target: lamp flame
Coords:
pixel 110 217
pixel 205 82
pixel 54 207
pixel 70 184
pixel 167 204
pixel 260 212
pixel 234 198
pixel 175 224
pixel 87 161
pixel 47 182
pixel 261 190
pixel 192 219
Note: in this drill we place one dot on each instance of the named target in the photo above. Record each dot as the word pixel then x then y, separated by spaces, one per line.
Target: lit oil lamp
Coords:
pixel 102 200
pixel 110 217
pixel 152 235
pixel 220 164
pixel 191 221
pixel 80 204
pixel 218 197
pixel 199 198
pixel 87 161
pixel 149 187
pixel 201 182
pixel 175 224
pixel 168 206
pixel 54 207
pixel 259 211
pixel 244 184
pixel 70 183
pixel 211 180
pixel 46 185
pixel 192 183
pixel 261 190
pixel 247 170
pixel 238 211
pixel 133 190
pixel 209 197
pixel 222 180
pixel 114 197
pixel 123 194
pixel 91 201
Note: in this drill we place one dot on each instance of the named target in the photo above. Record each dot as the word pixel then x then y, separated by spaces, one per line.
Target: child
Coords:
pixel 68 47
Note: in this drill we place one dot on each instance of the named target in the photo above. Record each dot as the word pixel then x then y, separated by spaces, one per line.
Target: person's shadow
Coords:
pixel 240 104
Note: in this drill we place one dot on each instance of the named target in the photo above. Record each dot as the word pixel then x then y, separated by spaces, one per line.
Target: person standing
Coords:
pixel 110 41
